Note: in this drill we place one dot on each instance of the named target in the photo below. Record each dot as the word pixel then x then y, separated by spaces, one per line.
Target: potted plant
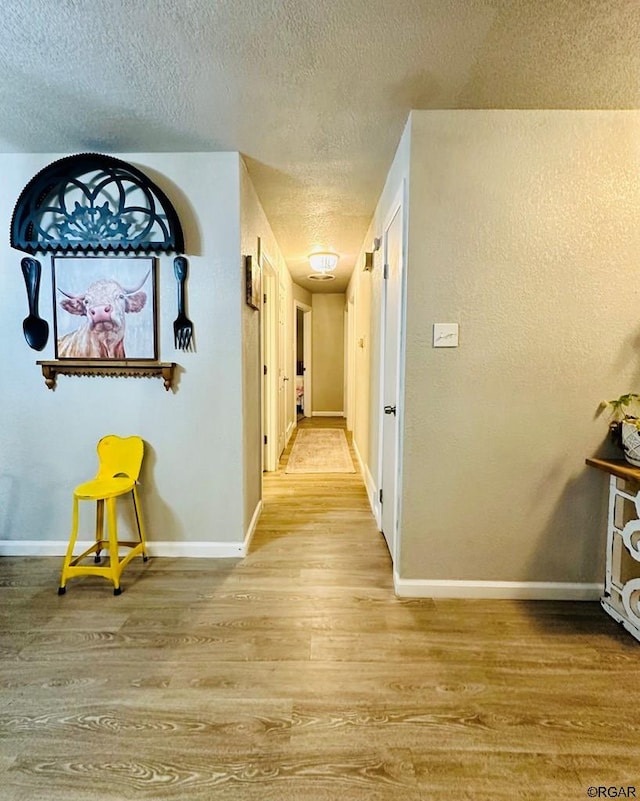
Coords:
pixel 625 425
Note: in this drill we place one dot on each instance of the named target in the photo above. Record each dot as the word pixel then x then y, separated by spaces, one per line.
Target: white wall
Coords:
pixel 193 475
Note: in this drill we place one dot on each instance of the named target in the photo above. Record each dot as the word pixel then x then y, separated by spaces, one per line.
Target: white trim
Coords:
pixel 213 550
pixel 252 526
pixel 293 424
pixel 369 483
pixel 520 590
pixel 350 362
pixel 306 354
pixel 269 391
pixel 398 206
pixel 327 414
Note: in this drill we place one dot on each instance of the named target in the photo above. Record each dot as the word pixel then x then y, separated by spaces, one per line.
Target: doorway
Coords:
pixel 350 364
pixel 270 414
pixel 283 377
pixel 303 360
pixel 391 328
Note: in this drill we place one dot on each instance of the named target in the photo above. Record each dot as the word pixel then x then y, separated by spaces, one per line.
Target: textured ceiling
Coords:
pixel 313 93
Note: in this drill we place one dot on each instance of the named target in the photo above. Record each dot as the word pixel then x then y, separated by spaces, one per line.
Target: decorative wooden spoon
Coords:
pixel 36 330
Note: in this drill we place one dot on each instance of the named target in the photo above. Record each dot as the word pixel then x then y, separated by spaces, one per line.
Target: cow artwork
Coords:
pixel 102 310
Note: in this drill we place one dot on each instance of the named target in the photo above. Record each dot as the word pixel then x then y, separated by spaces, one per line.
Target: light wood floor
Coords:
pixel 296 675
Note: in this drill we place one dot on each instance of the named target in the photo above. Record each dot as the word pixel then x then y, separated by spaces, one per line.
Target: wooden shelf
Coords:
pixel 616 467
pixel 134 369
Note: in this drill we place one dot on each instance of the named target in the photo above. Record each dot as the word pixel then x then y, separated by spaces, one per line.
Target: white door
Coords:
pixel 270 367
pixel 392 314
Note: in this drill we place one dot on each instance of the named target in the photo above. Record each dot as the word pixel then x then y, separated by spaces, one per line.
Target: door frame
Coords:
pixel 306 352
pixel 269 313
pixel 350 363
pixel 285 385
pixel 398 206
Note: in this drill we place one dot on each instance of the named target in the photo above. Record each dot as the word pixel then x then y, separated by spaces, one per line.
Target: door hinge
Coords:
pixel 380 496
pixel 385 273
pixel 265 439
pixel 264 298
pixel 264 369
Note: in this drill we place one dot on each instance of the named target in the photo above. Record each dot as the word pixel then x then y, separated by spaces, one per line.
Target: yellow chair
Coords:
pixel 120 459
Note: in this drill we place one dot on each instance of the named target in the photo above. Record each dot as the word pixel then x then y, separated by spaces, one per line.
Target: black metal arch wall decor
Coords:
pixel 91 203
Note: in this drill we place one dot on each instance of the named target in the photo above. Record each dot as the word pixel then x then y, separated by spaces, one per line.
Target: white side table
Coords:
pixel 621 597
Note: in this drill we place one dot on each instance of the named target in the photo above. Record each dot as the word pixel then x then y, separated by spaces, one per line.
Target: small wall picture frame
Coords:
pixel 252 273
pixel 105 308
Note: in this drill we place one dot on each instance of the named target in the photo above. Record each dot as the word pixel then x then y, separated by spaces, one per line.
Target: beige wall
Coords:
pixel 203 458
pixel 365 290
pixel 193 469
pixel 327 362
pixel 254 225
pixel 359 294
pixel 524 230
pixel 301 294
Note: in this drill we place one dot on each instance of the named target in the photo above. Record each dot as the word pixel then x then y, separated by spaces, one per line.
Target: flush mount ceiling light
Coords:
pixel 323 262
pixel 321 277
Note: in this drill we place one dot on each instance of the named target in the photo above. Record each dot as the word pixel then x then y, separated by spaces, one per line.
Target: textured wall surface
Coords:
pixel 192 480
pixel 366 290
pixel 315 95
pixel 327 361
pixel 255 225
pixel 523 228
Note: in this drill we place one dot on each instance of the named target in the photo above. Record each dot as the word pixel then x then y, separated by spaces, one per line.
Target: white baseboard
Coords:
pixel 368 481
pixel 327 414
pixel 516 590
pixel 212 550
pixel 203 550
pixel 252 526
pixel 290 429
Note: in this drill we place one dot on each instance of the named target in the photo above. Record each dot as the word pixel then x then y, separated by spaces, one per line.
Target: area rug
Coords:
pixel 320 450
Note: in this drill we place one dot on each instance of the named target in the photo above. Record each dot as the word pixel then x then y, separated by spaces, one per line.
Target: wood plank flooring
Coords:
pixel 296 675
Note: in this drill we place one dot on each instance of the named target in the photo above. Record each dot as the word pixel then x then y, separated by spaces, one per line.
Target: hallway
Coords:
pixel 295 674
pixel 301 511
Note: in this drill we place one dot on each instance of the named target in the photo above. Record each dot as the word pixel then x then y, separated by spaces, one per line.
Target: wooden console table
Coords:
pixel 621 597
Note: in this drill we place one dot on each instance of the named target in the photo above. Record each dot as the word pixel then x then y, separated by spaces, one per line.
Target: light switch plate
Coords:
pixel 445 335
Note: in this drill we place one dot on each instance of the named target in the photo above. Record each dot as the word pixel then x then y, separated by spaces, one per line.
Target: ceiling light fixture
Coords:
pixel 321 277
pixel 323 262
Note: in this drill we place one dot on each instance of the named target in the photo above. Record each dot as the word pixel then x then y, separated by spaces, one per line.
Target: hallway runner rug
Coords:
pixel 320 450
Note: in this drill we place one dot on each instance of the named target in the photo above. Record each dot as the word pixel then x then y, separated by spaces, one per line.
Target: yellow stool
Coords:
pixel 120 459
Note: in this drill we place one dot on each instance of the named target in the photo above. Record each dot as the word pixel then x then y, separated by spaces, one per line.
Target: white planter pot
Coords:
pixel 631 443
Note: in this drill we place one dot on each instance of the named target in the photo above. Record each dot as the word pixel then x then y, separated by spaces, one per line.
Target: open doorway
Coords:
pixel 303 360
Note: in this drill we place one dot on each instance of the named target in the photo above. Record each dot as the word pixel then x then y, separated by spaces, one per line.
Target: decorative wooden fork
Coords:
pixel 182 325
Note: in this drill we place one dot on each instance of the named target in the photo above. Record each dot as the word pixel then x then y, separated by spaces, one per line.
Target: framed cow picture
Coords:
pixel 104 308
